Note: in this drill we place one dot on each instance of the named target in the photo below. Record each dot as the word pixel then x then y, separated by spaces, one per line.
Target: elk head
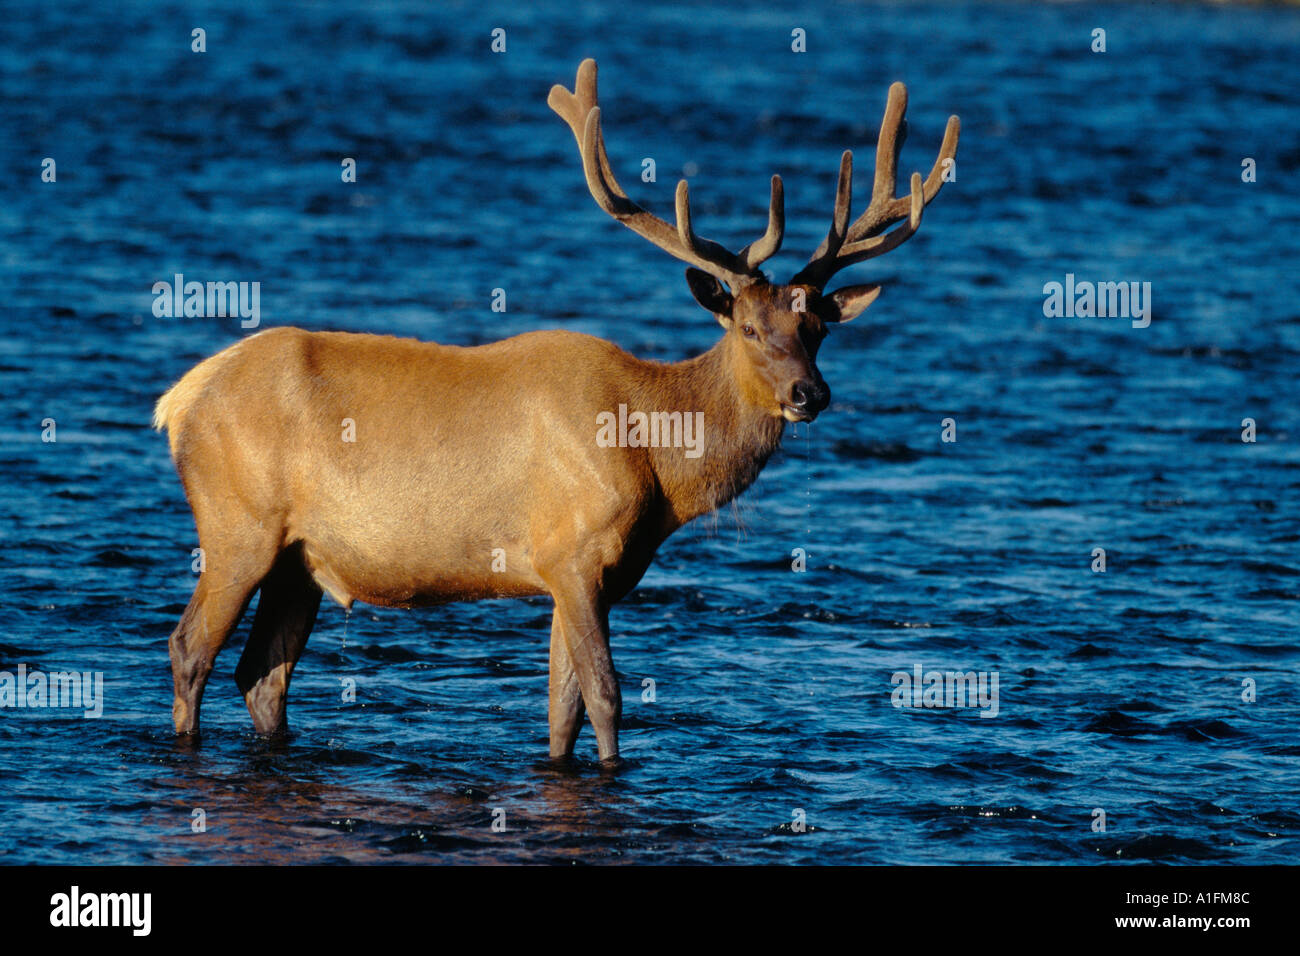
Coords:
pixel 777 328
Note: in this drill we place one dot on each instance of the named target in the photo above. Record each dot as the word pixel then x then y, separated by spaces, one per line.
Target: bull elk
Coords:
pixel 463 454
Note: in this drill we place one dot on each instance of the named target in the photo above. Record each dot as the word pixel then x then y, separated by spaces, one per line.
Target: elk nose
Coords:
pixel 810 397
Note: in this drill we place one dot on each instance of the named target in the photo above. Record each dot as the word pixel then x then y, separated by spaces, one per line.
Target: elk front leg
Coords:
pixel 565 710
pixel 584 622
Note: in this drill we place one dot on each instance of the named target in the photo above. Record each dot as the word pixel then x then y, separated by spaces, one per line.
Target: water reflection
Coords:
pixel 275 808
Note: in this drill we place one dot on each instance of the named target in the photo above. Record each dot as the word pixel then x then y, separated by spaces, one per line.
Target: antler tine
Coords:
pixel 580 110
pixel 893 131
pixel 947 151
pixel 600 180
pixel 575 109
pixel 701 248
pixel 830 246
pixel 843 202
pixel 845 244
pixel 759 251
pixel 885 209
pixel 872 246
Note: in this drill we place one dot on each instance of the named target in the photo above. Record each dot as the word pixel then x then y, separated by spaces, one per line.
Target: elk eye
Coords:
pixel 748 331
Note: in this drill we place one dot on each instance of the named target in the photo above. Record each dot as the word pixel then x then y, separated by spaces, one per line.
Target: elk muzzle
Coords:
pixel 806 401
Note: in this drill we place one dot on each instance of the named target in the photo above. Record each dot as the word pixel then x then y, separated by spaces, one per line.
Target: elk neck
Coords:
pixel 738 436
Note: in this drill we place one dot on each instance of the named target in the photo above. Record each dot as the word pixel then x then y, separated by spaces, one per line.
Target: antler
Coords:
pixel 845 244
pixel 580 110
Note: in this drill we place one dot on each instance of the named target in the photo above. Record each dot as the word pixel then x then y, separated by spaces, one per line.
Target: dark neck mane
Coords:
pixel 738 438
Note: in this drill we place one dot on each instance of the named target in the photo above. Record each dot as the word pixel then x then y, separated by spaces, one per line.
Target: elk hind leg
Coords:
pixel 219 601
pixel 286 611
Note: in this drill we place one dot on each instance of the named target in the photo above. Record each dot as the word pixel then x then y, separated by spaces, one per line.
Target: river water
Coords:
pixel 1163 692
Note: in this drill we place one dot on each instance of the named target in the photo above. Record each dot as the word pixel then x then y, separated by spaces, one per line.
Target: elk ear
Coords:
pixel 711 294
pixel 848 303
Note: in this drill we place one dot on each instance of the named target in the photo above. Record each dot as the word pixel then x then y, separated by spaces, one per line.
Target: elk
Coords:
pixel 474 472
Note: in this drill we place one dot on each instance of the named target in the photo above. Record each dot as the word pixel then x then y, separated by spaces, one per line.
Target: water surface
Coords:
pixel 1119 691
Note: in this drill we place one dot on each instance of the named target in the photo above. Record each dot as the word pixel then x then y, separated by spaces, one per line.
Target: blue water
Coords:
pixel 1120 691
